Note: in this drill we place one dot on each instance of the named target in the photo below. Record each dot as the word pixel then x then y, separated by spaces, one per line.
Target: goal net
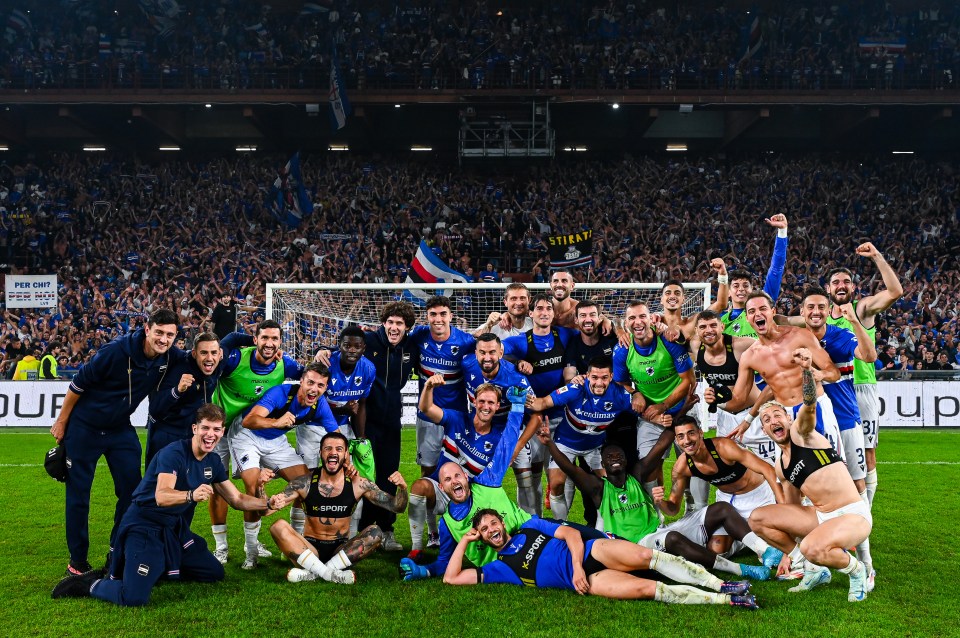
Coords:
pixel 312 315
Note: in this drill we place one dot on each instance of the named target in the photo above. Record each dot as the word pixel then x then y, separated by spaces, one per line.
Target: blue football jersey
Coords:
pixel 446 358
pixel 349 387
pixel 587 416
pixel 506 376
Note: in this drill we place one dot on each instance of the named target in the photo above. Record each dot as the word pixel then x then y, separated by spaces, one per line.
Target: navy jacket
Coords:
pixel 116 380
pixel 394 365
pixel 173 412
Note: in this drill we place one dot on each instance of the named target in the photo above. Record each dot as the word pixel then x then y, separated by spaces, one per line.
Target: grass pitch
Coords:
pixel 914 540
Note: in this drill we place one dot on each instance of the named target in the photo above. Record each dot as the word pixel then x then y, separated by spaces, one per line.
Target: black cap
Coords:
pixel 56 463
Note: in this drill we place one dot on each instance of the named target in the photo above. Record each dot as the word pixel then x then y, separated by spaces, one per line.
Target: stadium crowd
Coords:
pixel 127 239
pixel 240 44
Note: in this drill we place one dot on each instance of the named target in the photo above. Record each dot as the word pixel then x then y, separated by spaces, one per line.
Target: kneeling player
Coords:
pixel 546 554
pixel 329 496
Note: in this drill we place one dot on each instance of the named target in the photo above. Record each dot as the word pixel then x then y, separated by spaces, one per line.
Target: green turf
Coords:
pixel 914 548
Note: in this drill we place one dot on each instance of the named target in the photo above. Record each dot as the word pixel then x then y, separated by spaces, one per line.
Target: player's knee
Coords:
pixel 759 518
pixel 673 541
pixel 813 552
pixel 135 598
pixel 374 533
pixel 280 528
pixel 422 487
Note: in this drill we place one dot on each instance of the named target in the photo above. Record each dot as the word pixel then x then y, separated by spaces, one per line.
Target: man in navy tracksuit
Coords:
pixel 95 421
pixel 154 540
pixel 394 360
pixel 188 385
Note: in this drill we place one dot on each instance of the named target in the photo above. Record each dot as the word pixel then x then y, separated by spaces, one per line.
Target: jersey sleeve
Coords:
pixel 492 475
pixel 847 342
pixel 94 371
pixel 219 472
pixel 292 368
pixel 515 347
pixel 566 334
pixel 231 359
pixel 169 460
pixel 274 398
pixel 497 573
pixel 620 372
pixel 447 545
pixel 681 359
pixel 235 341
pixel 566 394
pixel 777 264
pixel 541 525
pixel 324 417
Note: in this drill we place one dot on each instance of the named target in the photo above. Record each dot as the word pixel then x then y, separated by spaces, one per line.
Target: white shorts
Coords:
pixel 442 500
pixel 858 507
pixel 869 403
pixel 308 444
pixel 747 502
pixel 853 447
pixel 534 451
pixel 223 451
pixel 592 457
pixel 429 442
pixel 647 435
pixel 753 439
pixel 691 526
pixel 250 451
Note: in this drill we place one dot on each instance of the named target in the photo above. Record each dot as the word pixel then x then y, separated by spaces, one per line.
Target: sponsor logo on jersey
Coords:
pixel 562 390
pixel 333 382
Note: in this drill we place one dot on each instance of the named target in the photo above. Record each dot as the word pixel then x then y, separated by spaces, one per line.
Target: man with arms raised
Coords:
pixel 841 288
pixel 772 357
pixel 547 554
pixel 741 283
pixel 673 296
pixel 469 440
pixel 262 441
pixel 154 540
pixel 809 466
pixel 329 494
pixel 247 374
pixel 659 375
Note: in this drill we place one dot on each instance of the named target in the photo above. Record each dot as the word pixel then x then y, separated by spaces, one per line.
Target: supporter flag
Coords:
pixel 427 268
pixel 19 21
pixel 754 37
pixel 313 8
pixel 162 14
pixel 339 105
pixel 572 249
pixel 106 45
pixel 288 199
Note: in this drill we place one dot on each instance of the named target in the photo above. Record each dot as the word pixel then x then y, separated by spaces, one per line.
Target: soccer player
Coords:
pixel 741 283
pixel 547 554
pixel 188 385
pixel 564 306
pixel 247 374
pixel 539 355
pixel 441 349
pixel 772 357
pixel 516 320
pixel 95 421
pixel 838 519
pixel 659 375
pixel 673 296
pixel 841 289
pixel 717 357
pixel 468 440
pixel 393 360
pixel 330 493
pixel 262 441
pixel 742 478
pixel 154 540
pixel 589 408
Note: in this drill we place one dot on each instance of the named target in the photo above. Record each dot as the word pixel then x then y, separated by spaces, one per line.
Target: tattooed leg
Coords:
pixel 357 548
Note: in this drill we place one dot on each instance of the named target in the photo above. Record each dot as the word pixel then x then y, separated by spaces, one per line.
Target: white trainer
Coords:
pixel 298 575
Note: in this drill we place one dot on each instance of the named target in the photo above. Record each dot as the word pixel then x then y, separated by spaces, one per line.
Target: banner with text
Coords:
pixel 31 291
pixel 37 403
pixel 571 249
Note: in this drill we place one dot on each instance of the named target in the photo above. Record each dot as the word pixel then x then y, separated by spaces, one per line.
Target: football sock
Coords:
pixel 220 536
pixel 724 565
pixel 417 512
pixel 686 595
pixel 558 506
pixel 341 561
pixel 310 562
pixel 871 485
pixel 297 519
pixel 755 543
pixel 682 571
pixel 251 534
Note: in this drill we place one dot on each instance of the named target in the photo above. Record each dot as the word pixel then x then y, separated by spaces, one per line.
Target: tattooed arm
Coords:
pixel 806 419
pixel 380 498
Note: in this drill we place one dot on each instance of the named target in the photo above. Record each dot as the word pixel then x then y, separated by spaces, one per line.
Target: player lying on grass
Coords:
pixel 546 554
pixel 154 540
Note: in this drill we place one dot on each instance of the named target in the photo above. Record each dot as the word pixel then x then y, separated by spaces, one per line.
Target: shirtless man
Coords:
pixel 810 467
pixel 772 357
pixel 330 493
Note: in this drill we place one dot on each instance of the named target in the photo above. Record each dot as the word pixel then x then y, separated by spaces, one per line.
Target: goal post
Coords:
pixel 312 315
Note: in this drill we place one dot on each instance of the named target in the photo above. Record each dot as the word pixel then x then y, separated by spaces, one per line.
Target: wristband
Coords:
pixel 723 279
pixel 782 233
pixel 190 496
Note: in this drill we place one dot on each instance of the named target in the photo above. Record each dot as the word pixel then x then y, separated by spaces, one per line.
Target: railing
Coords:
pixel 113 76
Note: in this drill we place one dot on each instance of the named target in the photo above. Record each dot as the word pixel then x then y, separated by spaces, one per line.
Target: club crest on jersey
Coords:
pixel 608 405
pixel 358 380
pixel 143 570
pixel 823 343
pixel 608 351
pixel 406 357
pixel 649 371
pixel 736 327
pixel 454 350
pixel 487 446
pixel 622 498
pixel 257 391
pixel 208 473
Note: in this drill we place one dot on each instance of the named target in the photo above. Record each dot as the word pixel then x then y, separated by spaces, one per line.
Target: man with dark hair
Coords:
pixel 95 421
pixel 247 375
pixel 154 540
pixel 547 554
pixel 441 348
pixel 394 360
pixel 223 319
pixel 324 549
pixel 48 362
pixel 188 385
pixel 741 283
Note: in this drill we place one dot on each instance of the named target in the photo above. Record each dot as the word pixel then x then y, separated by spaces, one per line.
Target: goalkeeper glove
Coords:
pixel 409 570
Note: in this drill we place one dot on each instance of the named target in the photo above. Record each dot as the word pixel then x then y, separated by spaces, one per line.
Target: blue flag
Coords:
pixel 288 199
pixel 339 104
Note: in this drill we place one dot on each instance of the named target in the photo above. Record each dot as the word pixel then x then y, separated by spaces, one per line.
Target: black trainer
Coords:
pixel 75 568
pixel 77 586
